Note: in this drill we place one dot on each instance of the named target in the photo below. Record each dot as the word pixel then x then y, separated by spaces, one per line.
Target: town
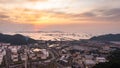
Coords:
pixel 55 54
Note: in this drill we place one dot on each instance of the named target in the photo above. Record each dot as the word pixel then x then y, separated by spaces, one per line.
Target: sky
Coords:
pixel 87 16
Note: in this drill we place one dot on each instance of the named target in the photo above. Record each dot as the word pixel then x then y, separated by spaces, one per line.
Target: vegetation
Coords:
pixel 114 61
pixel 108 37
pixel 15 39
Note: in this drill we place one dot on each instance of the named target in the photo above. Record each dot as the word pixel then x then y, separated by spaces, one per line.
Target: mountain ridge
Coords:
pixel 107 37
pixel 16 39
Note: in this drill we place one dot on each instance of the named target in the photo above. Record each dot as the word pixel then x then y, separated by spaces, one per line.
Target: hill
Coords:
pixel 107 37
pixel 16 39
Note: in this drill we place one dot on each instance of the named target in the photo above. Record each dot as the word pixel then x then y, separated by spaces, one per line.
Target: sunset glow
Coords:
pixel 43 11
pixel 37 13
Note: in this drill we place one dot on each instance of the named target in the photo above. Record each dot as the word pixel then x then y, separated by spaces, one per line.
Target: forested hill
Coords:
pixel 107 37
pixel 16 39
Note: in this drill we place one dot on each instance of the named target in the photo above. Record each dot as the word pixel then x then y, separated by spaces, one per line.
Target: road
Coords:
pixel 54 53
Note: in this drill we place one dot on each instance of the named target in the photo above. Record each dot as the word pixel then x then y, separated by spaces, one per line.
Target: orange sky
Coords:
pixel 39 14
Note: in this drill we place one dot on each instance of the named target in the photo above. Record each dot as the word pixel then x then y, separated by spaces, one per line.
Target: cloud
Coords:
pixel 112 14
pixel 18 1
pixel 23 19
pixel 107 15
pixel 37 0
pixel 7 26
pixel 29 16
pixel 3 16
pixel 10 1
pixel 21 15
pixel 115 12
